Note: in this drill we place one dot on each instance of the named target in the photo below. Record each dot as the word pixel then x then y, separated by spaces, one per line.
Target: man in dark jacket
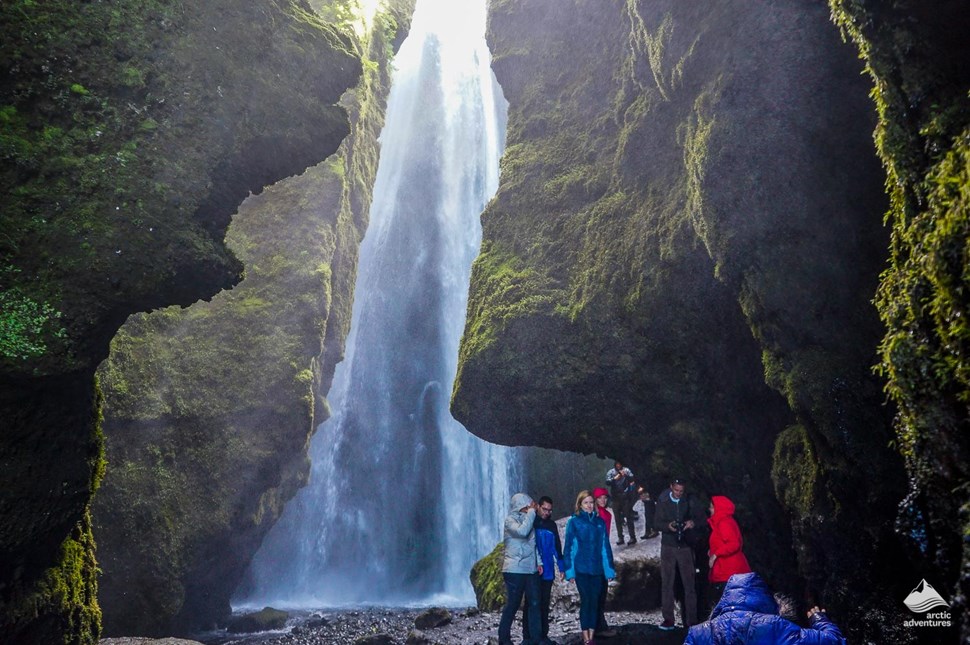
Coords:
pixel 549 547
pixel 747 613
pixel 623 490
pixel 675 518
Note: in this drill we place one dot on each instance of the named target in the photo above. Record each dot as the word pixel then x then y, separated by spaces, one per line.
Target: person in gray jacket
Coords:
pixel 520 569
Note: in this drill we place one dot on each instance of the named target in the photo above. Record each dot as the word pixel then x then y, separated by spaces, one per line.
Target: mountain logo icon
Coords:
pixel 924 598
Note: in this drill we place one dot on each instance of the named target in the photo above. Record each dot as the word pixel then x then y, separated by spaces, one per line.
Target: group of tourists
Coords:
pixel 744 611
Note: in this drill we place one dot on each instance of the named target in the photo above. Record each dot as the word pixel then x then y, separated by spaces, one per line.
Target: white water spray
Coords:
pixel 402 499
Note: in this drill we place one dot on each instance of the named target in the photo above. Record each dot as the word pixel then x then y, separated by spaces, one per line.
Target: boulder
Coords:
pixel 486 579
pixel 433 617
pixel 261 621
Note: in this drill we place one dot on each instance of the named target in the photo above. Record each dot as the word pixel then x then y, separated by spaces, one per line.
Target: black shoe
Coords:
pixel 632 541
pixel 644 537
pixel 620 541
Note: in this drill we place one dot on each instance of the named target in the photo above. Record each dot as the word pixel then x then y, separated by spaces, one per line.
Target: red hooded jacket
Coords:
pixel 602 512
pixel 725 542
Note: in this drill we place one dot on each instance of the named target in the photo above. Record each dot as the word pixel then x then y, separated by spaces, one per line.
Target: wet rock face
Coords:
pixel 134 132
pixel 679 265
pixel 923 138
pixel 208 408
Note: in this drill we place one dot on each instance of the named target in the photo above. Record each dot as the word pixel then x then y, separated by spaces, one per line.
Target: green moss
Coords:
pixel 487 581
pixel 795 472
pixel 62 607
pixel 514 290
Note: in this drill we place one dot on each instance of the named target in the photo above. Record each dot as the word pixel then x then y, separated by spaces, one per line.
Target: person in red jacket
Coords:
pixel 724 555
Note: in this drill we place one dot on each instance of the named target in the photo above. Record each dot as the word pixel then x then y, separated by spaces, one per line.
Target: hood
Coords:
pixel 599 491
pixel 519 500
pixel 748 592
pixel 722 506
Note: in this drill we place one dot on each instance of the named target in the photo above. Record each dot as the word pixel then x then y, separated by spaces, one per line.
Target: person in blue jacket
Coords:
pixel 588 559
pixel 549 548
pixel 747 613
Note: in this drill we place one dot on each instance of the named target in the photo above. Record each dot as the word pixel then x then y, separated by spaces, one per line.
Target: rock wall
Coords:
pixel 208 409
pixel 914 53
pixel 130 132
pixel 679 266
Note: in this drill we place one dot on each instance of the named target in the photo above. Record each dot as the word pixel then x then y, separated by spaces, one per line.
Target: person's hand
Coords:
pixel 689 524
pixel 540 569
pixel 710 560
pixel 815 610
pixel 671 526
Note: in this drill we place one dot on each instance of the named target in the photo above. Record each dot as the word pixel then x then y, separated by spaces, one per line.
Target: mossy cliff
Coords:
pixel 916 55
pixel 678 270
pixel 129 132
pixel 208 409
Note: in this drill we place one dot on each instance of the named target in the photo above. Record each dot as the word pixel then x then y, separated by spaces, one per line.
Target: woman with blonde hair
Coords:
pixel 589 560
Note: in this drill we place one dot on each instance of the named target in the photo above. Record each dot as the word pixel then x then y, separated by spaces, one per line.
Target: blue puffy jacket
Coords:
pixel 747 613
pixel 587 547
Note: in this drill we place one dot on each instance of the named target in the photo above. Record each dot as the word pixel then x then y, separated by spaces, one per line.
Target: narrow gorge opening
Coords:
pixel 402 499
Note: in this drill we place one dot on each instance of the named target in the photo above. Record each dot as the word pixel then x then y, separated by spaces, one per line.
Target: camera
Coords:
pixel 679 527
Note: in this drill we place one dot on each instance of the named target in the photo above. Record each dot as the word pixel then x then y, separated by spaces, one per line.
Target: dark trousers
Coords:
pixel 674 559
pixel 545 597
pixel 601 624
pixel 623 507
pixel 517 585
pixel 590 590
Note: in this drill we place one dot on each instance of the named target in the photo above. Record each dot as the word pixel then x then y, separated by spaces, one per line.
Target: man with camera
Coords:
pixel 675 519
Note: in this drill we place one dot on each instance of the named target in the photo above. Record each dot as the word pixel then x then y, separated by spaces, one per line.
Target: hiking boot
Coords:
pixel 620 541
pixel 632 541
pixel 606 633
pixel 667 625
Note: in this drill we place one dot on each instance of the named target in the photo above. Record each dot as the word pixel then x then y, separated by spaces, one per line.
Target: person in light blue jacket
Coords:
pixel 520 570
pixel 589 560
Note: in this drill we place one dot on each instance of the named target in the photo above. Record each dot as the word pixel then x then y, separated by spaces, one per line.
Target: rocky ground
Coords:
pixel 636 589
pixel 397 627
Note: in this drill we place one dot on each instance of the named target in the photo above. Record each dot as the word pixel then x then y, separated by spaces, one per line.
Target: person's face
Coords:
pixel 601 500
pixel 710 509
pixel 587 504
pixel 545 510
pixel 677 490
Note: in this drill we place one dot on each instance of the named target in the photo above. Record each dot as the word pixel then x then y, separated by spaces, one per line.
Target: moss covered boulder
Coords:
pixel 129 133
pixel 679 266
pixel 487 581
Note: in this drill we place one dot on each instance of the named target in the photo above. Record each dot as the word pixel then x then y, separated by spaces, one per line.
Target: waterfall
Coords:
pixel 402 499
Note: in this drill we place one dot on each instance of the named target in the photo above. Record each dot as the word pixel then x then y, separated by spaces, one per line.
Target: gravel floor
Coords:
pixel 468 626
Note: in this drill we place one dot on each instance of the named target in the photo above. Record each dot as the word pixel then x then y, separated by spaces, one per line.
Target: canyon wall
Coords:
pixel 678 270
pixel 208 409
pixel 130 132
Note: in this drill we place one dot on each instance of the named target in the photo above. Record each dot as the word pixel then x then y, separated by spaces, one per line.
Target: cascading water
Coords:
pixel 402 499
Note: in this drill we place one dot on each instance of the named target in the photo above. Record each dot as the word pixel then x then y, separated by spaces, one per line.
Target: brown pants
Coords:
pixel 672 560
